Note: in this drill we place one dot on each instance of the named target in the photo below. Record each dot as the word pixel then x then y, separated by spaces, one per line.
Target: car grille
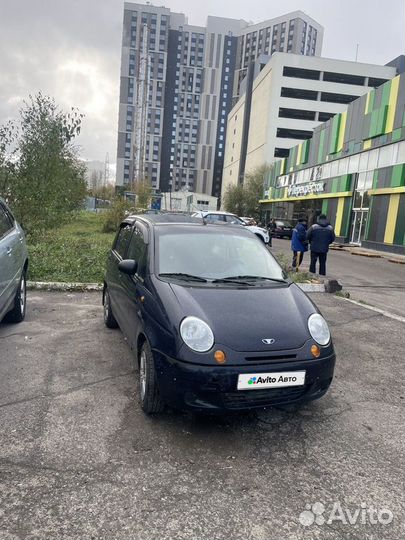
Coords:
pixel 270 358
pixel 262 398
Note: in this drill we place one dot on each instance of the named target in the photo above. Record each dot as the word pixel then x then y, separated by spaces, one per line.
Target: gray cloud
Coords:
pixel 71 50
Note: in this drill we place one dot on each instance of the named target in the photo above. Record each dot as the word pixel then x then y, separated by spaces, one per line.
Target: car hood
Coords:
pixel 256 229
pixel 242 318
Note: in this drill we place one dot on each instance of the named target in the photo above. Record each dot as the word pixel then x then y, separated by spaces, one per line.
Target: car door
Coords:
pixel 134 286
pixel 114 276
pixel 8 241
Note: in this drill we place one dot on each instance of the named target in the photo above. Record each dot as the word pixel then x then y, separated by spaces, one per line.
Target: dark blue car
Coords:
pixel 214 321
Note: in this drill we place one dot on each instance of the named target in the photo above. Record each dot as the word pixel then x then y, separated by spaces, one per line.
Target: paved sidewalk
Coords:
pixel 371 253
pixel 375 281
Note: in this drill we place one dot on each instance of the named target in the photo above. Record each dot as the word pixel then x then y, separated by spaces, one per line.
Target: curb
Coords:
pixel 61 286
pixel 312 287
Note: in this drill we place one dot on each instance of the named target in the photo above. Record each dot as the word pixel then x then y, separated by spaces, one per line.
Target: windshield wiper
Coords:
pixel 235 279
pixel 185 277
pixel 232 280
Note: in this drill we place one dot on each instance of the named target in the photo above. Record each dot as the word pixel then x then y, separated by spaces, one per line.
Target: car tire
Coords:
pixel 151 401
pixel 17 314
pixel 109 319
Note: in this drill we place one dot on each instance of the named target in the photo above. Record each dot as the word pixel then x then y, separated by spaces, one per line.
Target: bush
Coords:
pixel 115 214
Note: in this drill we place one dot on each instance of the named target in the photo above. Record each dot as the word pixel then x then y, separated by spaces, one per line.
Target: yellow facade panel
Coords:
pixel 391 219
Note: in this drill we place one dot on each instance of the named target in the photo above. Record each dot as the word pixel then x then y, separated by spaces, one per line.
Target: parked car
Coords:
pixel 283 229
pixel 227 217
pixel 214 321
pixel 13 267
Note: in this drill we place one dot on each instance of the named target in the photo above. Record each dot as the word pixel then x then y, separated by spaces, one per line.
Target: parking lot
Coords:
pixel 78 458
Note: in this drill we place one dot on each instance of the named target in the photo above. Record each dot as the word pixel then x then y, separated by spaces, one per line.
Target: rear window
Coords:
pixel 283 224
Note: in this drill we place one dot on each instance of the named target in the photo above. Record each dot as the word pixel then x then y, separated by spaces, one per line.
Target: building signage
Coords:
pixel 314 174
pixel 300 190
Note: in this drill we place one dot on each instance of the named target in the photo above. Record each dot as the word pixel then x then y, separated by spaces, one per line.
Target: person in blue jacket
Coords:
pixel 299 243
pixel 320 236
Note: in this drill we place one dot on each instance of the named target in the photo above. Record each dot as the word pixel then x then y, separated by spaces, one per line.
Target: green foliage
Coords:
pixel 243 199
pixel 297 277
pixel 74 252
pixel 234 200
pixel 115 214
pixel 143 192
pixel 41 177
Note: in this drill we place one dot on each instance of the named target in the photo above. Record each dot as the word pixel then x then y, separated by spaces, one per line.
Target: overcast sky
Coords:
pixel 70 49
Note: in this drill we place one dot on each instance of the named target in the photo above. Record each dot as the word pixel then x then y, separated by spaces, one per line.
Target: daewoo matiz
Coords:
pixel 213 319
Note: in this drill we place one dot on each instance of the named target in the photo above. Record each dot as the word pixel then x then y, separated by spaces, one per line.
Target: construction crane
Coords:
pixel 141 108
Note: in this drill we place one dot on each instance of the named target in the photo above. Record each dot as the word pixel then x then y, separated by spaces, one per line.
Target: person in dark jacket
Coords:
pixel 299 243
pixel 320 236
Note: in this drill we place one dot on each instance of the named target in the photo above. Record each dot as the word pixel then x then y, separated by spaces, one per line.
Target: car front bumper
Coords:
pixel 214 388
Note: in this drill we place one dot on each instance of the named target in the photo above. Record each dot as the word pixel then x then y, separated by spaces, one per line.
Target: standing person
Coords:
pixel 271 227
pixel 299 243
pixel 320 236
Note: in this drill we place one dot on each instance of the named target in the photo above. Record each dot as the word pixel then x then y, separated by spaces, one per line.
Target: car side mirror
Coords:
pixel 128 266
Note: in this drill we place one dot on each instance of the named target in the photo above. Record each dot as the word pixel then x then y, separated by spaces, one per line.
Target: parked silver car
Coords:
pixel 13 267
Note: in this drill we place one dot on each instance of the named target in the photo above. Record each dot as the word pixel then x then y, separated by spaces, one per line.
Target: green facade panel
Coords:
pixel 398 175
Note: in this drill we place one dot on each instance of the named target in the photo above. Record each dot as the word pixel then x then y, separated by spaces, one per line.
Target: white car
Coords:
pixel 227 217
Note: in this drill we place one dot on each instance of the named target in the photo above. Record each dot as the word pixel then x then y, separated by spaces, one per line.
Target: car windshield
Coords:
pixel 214 256
pixel 284 224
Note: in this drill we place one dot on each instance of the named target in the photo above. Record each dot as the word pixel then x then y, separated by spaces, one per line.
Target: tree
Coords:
pixel 45 178
pixel 143 192
pixel 243 199
pixel 254 190
pixel 234 199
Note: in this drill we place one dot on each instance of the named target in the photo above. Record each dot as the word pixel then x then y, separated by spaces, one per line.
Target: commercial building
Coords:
pixel 178 83
pixel 353 170
pixel 285 98
pixel 184 201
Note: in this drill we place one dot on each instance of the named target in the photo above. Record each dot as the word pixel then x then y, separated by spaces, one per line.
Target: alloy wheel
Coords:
pixel 142 375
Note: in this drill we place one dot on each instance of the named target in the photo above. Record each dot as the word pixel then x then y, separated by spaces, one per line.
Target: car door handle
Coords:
pixel 8 250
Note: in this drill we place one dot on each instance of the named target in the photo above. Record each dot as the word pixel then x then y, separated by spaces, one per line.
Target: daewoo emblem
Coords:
pixel 268 341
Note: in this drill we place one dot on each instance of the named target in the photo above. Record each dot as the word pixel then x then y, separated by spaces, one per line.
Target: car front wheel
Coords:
pixel 109 319
pixel 17 314
pixel 151 401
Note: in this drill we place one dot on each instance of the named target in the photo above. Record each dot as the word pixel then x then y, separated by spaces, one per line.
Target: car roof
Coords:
pixel 217 212
pixel 163 219
pixel 185 222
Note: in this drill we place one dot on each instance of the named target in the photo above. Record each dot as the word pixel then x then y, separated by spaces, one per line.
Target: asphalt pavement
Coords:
pixel 375 281
pixel 79 460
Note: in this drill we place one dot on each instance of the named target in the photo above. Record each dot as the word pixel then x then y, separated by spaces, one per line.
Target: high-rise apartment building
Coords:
pixel 178 84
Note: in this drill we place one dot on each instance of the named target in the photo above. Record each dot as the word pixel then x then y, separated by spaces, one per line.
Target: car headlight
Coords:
pixel 196 334
pixel 318 328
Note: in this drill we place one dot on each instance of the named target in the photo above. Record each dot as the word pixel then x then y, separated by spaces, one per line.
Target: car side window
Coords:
pixel 137 251
pixel 122 240
pixel 234 220
pixel 214 217
pixel 5 222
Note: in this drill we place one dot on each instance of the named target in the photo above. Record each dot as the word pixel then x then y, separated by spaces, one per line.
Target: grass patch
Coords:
pixel 75 252
pixel 297 277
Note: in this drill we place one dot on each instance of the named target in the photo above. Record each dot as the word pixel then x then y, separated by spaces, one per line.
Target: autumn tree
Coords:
pixel 41 175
